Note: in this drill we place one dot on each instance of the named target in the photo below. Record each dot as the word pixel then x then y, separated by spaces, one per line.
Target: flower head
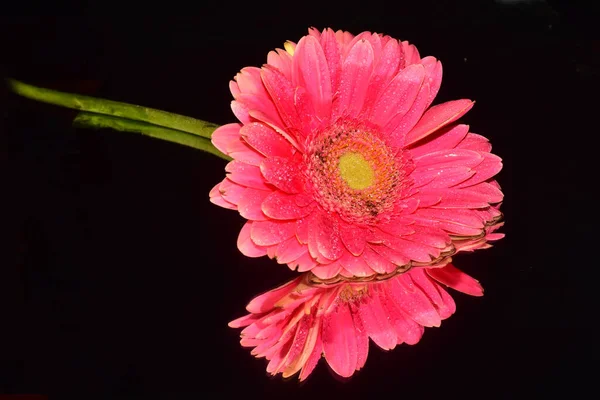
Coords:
pixel 296 324
pixel 342 168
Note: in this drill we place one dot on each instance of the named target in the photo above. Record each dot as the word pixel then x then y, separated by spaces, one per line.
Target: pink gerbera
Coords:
pixel 341 167
pixel 294 325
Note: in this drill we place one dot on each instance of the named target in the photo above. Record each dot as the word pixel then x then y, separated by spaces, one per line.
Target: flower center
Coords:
pixel 353 172
pixel 356 171
pixel 353 293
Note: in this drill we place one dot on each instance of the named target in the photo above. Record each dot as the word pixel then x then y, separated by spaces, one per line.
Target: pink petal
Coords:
pixel 433 72
pixel 290 250
pixel 297 347
pixel 356 266
pixel 324 237
pixel 375 41
pixel 449 306
pixel 271 251
pixel 441 177
pixel 331 50
pixel 313 359
pixel 302 230
pixel 411 250
pixel 454 228
pixel 304 343
pixel 446 138
pixel 216 198
pixel 449 158
pixel 279 205
pixel 383 72
pixel 243 321
pixel 399 95
pixel 241 152
pixel 413 301
pixel 435 293
pixel 269 233
pixel 248 80
pixel 475 142
pixel 457 216
pixel 276 351
pixel 266 347
pixel 266 140
pixel 343 37
pixel 306 111
pixel 386 39
pixel 281 60
pixel 241 111
pixel 265 302
pixel 411 54
pixel 266 332
pixel 232 192
pixel 431 290
pixel 234 89
pixel 250 206
pixel 253 331
pixel 377 263
pixel 279 356
pixel 304 263
pixel 282 92
pixel 339 341
pixel 429 236
pixel 394 257
pixel 377 236
pixel 489 167
pixel 353 238
pixel 485 190
pixel 425 200
pixel 354 83
pixel 283 173
pixel 310 70
pixel 456 279
pixel 375 321
pixel 304 199
pixel 407 330
pixel 262 117
pixel 264 104
pixel 394 227
pixel 246 175
pixel 459 198
pixel 437 117
pixel 400 125
pixel 364 36
pixel 362 339
pixel 326 271
pixel 494 236
pixel 314 32
pixel 246 246
pixel 224 135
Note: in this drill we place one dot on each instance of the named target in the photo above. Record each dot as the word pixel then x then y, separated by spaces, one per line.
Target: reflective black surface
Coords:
pixel 119 276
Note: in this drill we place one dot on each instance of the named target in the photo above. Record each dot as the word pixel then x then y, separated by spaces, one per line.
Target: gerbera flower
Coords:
pixel 342 168
pixel 297 323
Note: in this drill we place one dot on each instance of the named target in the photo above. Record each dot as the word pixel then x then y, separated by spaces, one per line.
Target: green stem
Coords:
pixel 99 121
pixel 114 108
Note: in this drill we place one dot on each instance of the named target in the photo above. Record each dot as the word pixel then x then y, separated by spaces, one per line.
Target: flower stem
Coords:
pixel 114 108
pixel 98 121
pixel 102 113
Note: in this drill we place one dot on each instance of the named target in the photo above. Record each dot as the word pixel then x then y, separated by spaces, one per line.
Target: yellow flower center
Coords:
pixel 353 172
pixel 356 171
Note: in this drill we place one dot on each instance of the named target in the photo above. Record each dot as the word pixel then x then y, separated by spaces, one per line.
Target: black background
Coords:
pixel 119 276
